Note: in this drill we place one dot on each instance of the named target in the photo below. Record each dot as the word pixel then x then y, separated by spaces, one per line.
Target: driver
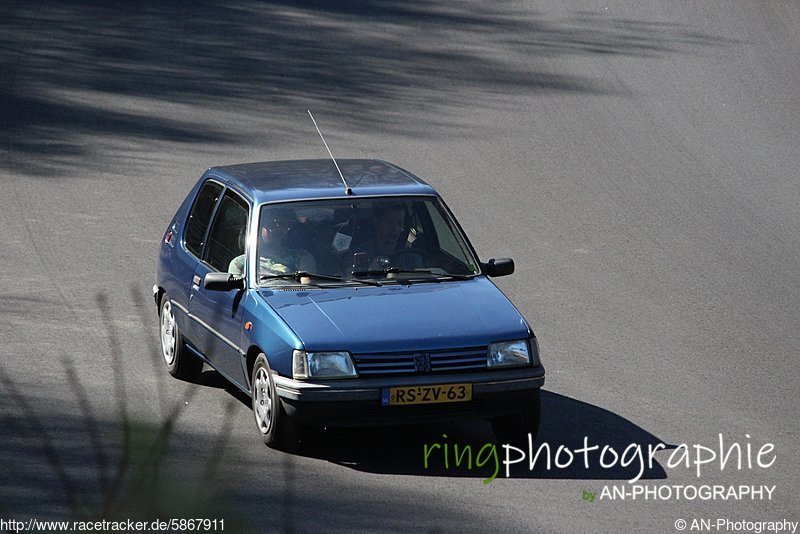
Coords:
pixel 389 223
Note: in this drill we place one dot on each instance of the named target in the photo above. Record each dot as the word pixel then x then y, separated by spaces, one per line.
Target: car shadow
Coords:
pixel 470 449
pixel 210 377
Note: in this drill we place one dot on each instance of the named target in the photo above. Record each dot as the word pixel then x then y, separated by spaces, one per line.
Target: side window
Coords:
pixel 454 252
pixel 447 241
pixel 226 238
pixel 200 216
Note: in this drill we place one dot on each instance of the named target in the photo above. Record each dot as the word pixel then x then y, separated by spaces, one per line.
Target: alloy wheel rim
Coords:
pixel 262 401
pixel 168 334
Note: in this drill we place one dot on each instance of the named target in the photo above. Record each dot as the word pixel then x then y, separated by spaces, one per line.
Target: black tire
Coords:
pixel 272 422
pixel 180 362
pixel 514 429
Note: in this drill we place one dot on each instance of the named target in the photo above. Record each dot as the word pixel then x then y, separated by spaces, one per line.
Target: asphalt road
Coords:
pixel 639 161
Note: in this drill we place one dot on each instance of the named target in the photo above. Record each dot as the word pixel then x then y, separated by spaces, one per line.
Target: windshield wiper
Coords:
pixel 297 276
pixel 456 276
pixel 398 270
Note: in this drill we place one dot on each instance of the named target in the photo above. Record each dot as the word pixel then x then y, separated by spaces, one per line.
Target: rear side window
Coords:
pixel 200 216
pixel 227 235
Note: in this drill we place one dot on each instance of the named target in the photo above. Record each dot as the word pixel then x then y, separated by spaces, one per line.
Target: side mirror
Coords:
pixel 499 267
pixel 222 282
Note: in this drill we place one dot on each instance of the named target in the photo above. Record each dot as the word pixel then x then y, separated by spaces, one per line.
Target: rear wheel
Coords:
pixel 180 363
pixel 275 427
pixel 514 429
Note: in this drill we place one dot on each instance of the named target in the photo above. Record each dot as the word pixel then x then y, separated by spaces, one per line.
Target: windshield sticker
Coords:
pixel 341 242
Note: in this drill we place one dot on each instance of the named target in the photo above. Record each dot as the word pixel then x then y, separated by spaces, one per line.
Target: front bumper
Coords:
pixel 357 402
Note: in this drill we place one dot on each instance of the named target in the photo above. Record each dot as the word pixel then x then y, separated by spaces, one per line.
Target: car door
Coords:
pixel 218 314
pixel 180 262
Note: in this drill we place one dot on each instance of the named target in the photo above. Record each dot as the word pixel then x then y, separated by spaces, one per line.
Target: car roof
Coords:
pixel 272 181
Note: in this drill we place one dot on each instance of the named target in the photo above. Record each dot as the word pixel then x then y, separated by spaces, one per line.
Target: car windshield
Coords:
pixel 353 241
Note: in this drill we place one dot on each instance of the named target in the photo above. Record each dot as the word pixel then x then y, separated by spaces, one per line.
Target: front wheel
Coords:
pixel 514 429
pixel 180 363
pixel 273 424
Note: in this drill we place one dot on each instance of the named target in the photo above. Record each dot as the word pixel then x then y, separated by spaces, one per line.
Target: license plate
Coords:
pixel 426 394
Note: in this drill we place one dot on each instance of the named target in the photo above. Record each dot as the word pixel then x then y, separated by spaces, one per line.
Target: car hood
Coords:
pixel 393 318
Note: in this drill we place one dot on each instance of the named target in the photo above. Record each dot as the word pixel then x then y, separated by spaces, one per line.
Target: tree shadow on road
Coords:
pixel 68 459
pixel 80 79
pixel 73 453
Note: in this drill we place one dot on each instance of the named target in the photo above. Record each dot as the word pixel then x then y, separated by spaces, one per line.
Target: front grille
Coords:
pixel 397 363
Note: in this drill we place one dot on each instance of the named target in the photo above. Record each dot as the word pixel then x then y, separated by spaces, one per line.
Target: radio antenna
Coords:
pixel 347 189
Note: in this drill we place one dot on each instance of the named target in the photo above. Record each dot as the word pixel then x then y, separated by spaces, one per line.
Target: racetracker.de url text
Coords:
pixel 104 525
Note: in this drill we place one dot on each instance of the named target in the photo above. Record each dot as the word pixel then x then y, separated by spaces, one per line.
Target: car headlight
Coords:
pixel 322 365
pixel 512 354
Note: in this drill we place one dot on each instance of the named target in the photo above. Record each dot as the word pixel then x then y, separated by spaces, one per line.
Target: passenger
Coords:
pixel 236 267
pixel 276 254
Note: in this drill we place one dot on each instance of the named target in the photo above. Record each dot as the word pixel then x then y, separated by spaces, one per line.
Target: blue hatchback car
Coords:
pixel 342 305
